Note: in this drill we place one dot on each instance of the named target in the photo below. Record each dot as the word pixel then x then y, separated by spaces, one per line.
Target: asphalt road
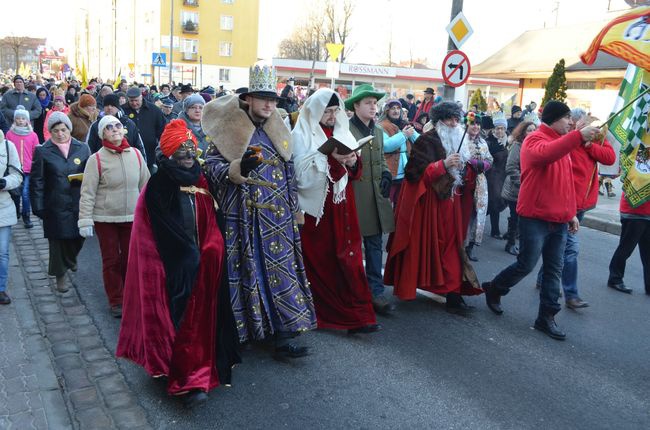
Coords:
pixel 430 369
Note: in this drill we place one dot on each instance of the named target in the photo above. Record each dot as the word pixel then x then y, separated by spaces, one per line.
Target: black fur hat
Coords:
pixel 445 110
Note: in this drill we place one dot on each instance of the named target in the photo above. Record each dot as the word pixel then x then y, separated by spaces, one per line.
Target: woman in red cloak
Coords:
pixel 177 320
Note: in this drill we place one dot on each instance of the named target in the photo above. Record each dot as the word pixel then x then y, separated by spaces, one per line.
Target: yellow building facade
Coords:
pixel 215 41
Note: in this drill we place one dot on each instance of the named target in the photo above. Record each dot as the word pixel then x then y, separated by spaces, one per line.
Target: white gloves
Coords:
pixel 86 231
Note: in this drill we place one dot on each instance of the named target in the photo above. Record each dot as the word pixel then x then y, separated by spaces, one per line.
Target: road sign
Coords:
pixel 459 30
pixel 159 59
pixel 334 49
pixel 456 68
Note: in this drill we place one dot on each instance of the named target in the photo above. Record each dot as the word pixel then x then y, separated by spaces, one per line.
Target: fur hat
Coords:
pixel 445 110
pixel 553 111
pixel 87 100
pixel 57 117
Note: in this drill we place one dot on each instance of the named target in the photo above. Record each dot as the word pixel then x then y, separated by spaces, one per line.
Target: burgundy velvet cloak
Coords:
pixel 188 357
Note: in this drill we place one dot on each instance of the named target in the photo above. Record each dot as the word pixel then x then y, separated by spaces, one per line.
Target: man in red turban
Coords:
pixel 177 321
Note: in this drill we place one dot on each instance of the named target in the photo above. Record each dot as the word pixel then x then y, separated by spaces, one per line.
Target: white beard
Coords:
pixel 451 138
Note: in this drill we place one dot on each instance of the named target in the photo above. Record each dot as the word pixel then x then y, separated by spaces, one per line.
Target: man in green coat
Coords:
pixel 372 189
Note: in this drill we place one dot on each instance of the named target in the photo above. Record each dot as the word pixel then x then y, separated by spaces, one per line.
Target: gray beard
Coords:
pixel 449 136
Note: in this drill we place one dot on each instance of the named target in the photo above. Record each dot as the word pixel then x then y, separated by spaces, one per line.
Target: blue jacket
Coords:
pixel 398 142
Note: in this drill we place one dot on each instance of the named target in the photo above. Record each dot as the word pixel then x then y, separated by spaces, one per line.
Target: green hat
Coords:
pixel 361 92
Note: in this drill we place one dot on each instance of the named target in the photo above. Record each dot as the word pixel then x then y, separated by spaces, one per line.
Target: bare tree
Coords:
pixel 16 44
pixel 324 25
pixel 306 42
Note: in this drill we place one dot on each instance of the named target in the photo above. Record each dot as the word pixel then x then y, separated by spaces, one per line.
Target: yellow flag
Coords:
pixel 624 37
pixel 118 78
pixel 84 75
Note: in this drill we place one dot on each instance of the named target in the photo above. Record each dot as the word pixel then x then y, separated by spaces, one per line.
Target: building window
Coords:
pixel 225 49
pixel 224 75
pixel 190 22
pixel 191 2
pixel 227 1
pixel 226 22
pixel 190 46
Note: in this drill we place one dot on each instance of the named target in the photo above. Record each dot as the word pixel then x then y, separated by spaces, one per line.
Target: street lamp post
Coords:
pixel 171 42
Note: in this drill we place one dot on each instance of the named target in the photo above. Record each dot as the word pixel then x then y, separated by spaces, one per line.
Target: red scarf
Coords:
pixel 118 149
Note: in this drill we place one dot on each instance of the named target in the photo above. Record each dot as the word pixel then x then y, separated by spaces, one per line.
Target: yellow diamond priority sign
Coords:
pixel 334 49
pixel 459 30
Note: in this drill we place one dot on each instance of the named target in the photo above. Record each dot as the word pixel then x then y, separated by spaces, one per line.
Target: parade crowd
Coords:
pixel 227 218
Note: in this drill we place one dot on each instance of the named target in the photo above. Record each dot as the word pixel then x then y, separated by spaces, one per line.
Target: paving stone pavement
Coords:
pixel 55 370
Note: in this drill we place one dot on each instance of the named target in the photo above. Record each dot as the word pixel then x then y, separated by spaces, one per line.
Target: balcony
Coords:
pixel 194 3
pixel 190 56
pixel 190 27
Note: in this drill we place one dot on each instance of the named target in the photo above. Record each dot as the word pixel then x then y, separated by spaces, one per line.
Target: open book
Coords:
pixel 76 177
pixel 330 144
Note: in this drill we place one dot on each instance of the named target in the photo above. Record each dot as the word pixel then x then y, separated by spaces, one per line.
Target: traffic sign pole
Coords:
pixel 449 92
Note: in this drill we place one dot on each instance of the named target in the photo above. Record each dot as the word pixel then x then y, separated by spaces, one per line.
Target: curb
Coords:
pixel 92 387
pixel 607 226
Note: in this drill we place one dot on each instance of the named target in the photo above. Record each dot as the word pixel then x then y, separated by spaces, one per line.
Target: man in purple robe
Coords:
pixel 252 176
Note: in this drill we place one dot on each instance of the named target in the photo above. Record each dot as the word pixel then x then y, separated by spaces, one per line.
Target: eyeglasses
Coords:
pixel 116 126
pixel 333 111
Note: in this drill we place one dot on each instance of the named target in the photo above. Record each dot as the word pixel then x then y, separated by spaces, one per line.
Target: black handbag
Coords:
pixel 18 191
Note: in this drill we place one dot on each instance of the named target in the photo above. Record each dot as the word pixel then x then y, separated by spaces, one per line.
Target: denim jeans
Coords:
pixel 537 238
pixel 372 247
pixel 22 202
pixel 5 238
pixel 570 269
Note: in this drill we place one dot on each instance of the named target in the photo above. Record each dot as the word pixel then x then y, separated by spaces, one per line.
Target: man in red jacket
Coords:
pixel 584 161
pixel 547 210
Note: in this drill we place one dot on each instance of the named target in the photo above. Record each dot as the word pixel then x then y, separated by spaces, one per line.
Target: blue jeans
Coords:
pixel 372 246
pixel 537 238
pixel 5 238
pixel 26 208
pixel 570 268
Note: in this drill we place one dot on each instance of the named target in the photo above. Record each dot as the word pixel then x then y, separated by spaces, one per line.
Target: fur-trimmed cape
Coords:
pixel 227 123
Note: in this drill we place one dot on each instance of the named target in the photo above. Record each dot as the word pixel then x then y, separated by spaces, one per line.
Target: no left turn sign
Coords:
pixel 455 68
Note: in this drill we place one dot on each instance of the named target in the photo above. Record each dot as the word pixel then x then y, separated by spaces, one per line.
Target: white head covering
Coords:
pixel 312 169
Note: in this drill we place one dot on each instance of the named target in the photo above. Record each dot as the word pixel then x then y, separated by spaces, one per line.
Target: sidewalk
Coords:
pixel 606 216
pixel 55 370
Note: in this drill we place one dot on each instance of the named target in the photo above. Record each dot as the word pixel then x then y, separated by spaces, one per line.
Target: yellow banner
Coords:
pixel 627 37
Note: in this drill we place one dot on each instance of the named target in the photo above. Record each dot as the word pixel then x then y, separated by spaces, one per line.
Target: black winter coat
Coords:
pixel 150 123
pixel 496 175
pixel 54 199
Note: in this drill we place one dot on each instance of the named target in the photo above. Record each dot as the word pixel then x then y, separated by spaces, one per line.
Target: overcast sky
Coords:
pixel 418 26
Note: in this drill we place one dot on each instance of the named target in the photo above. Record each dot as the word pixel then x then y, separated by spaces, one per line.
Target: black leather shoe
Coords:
pixel 512 249
pixel 620 287
pixel 4 298
pixel 459 307
pixel 469 250
pixel 492 298
pixel 382 306
pixel 371 328
pixel 116 311
pixel 27 222
pixel 576 304
pixel 195 398
pixel 546 324
pixel 291 350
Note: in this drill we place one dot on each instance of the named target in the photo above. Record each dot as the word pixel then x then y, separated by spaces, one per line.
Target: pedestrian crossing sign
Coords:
pixel 159 59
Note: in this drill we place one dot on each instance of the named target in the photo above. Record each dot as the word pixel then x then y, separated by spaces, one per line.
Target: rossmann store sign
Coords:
pixel 368 70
